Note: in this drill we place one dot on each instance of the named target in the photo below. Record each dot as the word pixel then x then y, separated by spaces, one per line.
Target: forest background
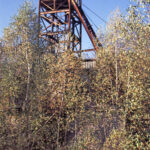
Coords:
pixel 49 102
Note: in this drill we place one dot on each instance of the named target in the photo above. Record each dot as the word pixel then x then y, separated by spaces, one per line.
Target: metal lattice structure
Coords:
pixel 61 22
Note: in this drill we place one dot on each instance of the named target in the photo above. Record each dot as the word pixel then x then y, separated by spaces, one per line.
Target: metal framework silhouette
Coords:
pixel 62 22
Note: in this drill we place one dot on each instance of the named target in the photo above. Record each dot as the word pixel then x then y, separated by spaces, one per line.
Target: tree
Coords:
pixel 21 39
pixel 18 77
pixel 129 71
pixel 52 102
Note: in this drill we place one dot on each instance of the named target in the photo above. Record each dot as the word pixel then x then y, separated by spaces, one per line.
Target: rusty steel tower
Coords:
pixel 62 22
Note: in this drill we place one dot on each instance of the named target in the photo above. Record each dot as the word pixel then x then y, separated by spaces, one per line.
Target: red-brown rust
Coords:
pixel 60 17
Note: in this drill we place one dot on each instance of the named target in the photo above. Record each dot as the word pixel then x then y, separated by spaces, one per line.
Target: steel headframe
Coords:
pixel 61 23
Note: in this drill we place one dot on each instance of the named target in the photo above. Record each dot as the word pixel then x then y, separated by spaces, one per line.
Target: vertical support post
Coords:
pixel 80 38
pixel 69 18
pixel 69 25
pixel 54 4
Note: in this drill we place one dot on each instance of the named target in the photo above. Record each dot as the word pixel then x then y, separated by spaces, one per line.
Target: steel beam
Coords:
pixel 63 18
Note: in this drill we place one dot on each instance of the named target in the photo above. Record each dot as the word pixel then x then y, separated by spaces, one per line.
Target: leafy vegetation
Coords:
pixel 49 102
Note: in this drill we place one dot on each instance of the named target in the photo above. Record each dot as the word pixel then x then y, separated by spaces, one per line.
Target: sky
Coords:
pixel 8 8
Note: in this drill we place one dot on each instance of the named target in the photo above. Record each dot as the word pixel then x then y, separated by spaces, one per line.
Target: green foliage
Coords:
pixel 49 102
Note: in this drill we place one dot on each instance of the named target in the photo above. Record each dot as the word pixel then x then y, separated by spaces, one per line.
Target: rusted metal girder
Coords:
pixel 61 22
